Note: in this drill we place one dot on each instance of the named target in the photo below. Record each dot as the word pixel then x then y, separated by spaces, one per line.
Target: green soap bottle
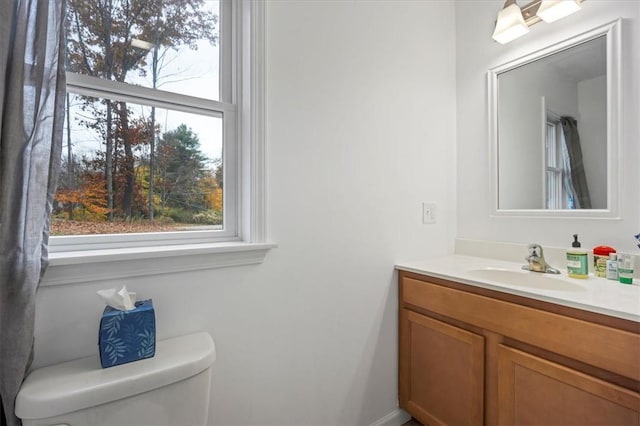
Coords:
pixel 577 260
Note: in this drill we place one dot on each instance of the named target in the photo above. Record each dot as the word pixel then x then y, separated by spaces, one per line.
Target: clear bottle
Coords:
pixel 625 268
pixel 612 267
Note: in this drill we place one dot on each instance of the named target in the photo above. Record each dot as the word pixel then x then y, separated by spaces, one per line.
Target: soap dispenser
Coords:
pixel 577 260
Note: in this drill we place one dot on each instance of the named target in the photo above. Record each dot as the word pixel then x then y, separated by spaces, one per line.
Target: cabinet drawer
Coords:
pixel 581 340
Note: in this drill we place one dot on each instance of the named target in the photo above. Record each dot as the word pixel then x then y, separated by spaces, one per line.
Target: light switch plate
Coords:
pixel 428 213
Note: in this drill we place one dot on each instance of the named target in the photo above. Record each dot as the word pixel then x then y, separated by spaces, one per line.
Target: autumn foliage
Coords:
pixel 89 198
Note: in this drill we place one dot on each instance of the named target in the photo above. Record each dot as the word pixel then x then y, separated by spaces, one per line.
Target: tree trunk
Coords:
pixel 152 163
pixel 106 17
pixel 69 159
pixel 108 163
pixel 152 148
pixel 129 162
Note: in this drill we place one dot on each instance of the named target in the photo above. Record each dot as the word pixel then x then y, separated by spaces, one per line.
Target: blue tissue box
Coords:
pixel 127 336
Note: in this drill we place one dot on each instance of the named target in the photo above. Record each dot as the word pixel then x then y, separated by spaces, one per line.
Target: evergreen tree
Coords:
pixel 182 167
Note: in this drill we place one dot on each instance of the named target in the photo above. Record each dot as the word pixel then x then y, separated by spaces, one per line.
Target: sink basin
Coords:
pixel 528 279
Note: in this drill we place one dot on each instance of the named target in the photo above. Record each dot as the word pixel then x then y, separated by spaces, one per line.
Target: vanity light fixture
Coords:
pixel 510 24
pixel 552 10
pixel 514 22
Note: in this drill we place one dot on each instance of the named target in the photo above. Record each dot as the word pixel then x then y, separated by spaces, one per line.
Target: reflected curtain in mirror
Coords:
pixel 578 182
pixel 31 118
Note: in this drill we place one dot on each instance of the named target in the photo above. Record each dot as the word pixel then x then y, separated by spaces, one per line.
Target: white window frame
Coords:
pixel 244 162
pixel 555 193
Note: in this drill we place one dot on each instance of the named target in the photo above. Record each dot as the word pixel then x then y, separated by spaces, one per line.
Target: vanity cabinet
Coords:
pixel 472 356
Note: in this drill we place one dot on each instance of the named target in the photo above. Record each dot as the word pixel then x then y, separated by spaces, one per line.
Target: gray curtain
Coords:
pixel 32 89
pixel 578 176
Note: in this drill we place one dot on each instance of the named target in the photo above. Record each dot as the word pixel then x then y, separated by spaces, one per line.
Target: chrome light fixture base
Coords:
pixel 514 22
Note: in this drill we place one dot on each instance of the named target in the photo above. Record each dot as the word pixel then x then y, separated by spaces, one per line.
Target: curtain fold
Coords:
pixel 32 87
pixel 582 199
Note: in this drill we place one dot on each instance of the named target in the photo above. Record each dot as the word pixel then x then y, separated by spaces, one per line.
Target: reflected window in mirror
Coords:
pixel 566 185
pixel 557 196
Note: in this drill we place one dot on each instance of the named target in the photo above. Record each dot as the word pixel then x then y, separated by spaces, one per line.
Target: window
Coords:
pixel 156 140
pixel 557 186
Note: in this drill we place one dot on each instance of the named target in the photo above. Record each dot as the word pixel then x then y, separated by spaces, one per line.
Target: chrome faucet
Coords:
pixel 537 262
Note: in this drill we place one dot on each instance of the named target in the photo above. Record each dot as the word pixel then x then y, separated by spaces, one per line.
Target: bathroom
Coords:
pixel 372 108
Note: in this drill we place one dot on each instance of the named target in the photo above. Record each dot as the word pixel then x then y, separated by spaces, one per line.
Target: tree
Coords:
pixel 183 168
pixel 68 181
pixel 90 195
pixel 101 36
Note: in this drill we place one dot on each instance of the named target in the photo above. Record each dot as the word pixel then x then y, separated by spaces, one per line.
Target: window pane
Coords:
pixel 171 45
pixel 111 183
pixel 550 145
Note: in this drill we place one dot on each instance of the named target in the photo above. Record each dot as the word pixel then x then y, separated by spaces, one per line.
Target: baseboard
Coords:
pixel 397 417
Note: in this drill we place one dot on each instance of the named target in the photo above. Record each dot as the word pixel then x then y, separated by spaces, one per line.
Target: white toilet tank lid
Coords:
pixel 76 385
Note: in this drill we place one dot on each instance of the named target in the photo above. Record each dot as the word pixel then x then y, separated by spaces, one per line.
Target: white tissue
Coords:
pixel 121 300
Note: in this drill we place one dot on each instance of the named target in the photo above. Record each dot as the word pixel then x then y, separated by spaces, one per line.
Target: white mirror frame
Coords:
pixel 612 31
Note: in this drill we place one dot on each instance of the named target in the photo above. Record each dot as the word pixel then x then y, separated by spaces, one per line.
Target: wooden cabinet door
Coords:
pixel 441 371
pixel 534 391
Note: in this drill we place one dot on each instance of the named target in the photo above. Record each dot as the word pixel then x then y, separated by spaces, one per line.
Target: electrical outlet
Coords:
pixel 428 213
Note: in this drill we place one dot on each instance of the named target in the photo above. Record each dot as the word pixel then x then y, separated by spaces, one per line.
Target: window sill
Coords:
pixel 96 265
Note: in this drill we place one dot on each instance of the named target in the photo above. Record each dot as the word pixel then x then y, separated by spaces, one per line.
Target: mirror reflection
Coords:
pixel 552 131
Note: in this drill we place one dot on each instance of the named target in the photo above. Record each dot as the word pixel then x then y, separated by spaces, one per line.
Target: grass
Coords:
pixel 76 227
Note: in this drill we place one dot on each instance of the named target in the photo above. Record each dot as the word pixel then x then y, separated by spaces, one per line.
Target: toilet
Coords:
pixel 170 389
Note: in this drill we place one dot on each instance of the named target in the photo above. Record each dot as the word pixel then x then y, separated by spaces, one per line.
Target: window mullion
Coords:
pixel 98 87
pixel 228 41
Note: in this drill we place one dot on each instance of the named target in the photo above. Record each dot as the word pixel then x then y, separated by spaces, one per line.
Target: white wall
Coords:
pixel 361 131
pixel 593 137
pixel 476 52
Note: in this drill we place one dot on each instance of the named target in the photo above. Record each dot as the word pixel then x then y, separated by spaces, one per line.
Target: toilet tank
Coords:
pixel 171 388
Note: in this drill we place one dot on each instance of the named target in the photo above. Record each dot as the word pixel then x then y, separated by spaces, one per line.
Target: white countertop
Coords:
pixel 593 294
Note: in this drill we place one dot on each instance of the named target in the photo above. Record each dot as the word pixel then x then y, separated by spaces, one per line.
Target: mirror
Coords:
pixel 554 122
